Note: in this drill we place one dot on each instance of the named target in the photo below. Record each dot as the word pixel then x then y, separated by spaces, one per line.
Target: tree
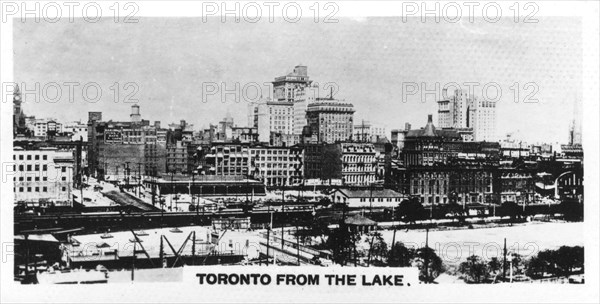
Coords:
pixel 410 210
pixel 567 258
pixel 378 248
pixel 318 227
pixel 474 269
pixel 323 202
pixel 456 210
pixel 563 261
pixel 494 265
pixel 434 268
pixel 400 256
pixel 342 243
pixel 516 262
pixel 571 209
pixel 511 209
pixel 535 267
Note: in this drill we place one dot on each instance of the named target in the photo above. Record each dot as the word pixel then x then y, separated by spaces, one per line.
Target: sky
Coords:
pixel 369 59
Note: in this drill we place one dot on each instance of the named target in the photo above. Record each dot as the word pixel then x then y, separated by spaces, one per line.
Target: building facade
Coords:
pixel 43 174
pixel 429 146
pixel 227 160
pixel 359 163
pixel 277 166
pixel 331 120
pixel 365 131
pixel 474 118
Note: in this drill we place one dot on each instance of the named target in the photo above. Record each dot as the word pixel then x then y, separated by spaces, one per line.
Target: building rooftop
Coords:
pixel 367 193
pixel 359 220
pixel 430 131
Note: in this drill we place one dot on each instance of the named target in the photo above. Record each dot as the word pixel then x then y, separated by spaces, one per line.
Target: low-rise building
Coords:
pixel 367 198
pixel 43 174
pixel 76 130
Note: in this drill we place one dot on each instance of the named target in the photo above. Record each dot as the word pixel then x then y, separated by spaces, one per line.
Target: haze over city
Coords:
pixel 369 59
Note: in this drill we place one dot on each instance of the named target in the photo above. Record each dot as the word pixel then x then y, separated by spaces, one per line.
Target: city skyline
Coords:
pixel 390 63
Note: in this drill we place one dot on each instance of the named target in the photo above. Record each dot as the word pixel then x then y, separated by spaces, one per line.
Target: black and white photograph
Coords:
pixel 299 151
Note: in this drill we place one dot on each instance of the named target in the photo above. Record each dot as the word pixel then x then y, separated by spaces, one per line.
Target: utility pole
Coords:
pixel 191 192
pixel 133 261
pixel 371 200
pixel 282 226
pixel 297 243
pixel 504 264
pixel 370 250
pixel 426 256
pixel 172 192
pixel 194 249
pixel 153 179
pixel 127 172
pixel 247 183
pixel 81 189
pixel 394 235
pixel 268 235
pixel 139 179
pixel 160 252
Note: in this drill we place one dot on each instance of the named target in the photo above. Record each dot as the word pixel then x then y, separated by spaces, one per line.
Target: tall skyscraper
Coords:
pixel 286 87
pixel 474 119
pixel 453 111
pixel 331 120
pixel 482 118
pixel 288 106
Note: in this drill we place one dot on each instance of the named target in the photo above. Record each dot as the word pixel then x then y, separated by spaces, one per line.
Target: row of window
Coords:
pixel 29 156
pixel 37 189
pixel 380 199
pixel 36 178
pixel 31 168
pixel 36 167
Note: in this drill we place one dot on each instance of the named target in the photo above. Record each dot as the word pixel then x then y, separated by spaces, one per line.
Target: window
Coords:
pixel 20 178
pixel 64 189
pixel 63 169
pixel 37 189
pixel 45 178
pixel 37 157
pixel 37 168
pixel 44 167
pixel 20 189
pixel 45 157
pixel 28 167
pixel 28 189
pixel 29 178
pixel 20 167
pixel 45 189
pixel 64 178
pixel 37 178
pixel 20 156
pixel 28 157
